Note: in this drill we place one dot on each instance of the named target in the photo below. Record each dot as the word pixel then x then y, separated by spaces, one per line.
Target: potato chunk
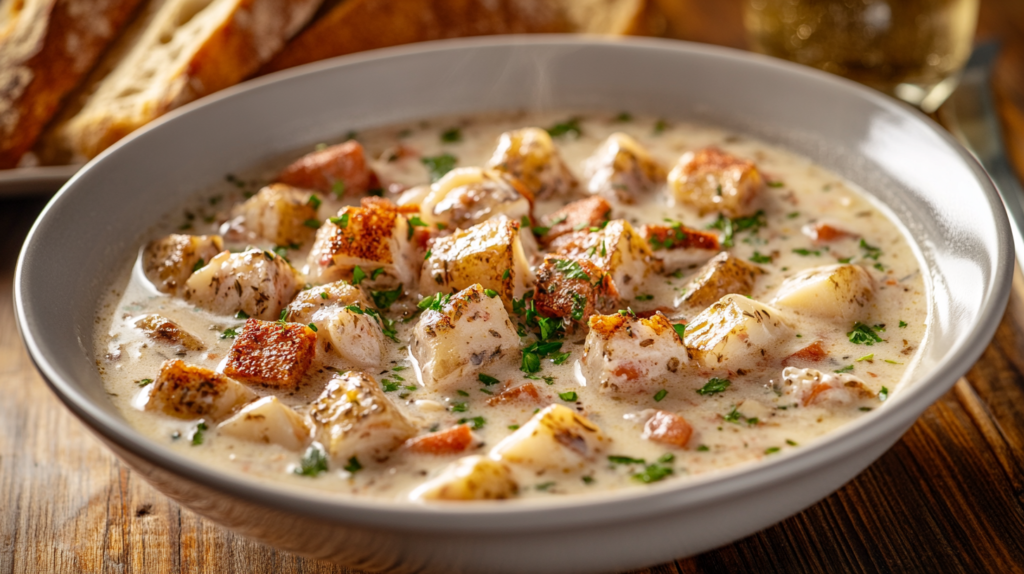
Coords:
pixel 490 254
pixel 667 428
pixel 278 213
pixel 624 354
pixel 723 275
pixel 576 216
pixel 466 196
pixel 678 246
pixel 339 169
pixel 258 282
pixel 316 305
pixel 837 292
pixel 271 354
pixel 573 289
pixel 353 419
pixel 622 169
pixel 812 387
pixel 373 236
pixel 469 478
pixel 618 251
pixel 268 421
pixel 163 330
pixel 711 180
pixel 190 392
pixel 169 261
pixel 462 335
pixel 557 439
pixel 346 325
pixel 530 156
pixel 736 333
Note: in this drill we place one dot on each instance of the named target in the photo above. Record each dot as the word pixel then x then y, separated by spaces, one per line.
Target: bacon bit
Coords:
pixel 449 441
pixel 813 353
pixel 522 392
pixel 320 170
pixel 668 428
pixel 590 212
pixel 823 232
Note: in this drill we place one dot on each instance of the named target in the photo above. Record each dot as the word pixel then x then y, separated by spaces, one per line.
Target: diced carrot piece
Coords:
pixel 338 169
pixel 668 428
pixel 823 232
pixel 813 353
pixel 628 371
pixel 526 392
pixel 449 441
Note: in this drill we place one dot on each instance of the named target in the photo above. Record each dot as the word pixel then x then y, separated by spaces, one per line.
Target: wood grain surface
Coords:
pixel 949 497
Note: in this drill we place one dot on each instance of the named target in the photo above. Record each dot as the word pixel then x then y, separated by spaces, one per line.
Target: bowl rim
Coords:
pixel 582 510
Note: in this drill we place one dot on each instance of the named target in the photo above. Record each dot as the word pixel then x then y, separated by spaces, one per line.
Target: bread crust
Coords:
pixel 246 35
pixel 358 25
pixel 46 50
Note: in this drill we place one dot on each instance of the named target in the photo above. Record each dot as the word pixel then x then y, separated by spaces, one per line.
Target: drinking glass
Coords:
pixel 911 49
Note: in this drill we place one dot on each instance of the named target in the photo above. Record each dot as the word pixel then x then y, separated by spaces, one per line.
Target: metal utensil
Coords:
pixel 970 115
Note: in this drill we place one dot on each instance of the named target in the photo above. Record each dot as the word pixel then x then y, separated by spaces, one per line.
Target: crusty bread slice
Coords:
pixel 46 48
pixel 357 25
pixel 175 52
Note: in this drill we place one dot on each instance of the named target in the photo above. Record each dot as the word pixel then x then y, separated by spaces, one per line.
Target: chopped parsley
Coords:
pixel 733 416
pixel 506 274
pixel 846 369
pixel 867 357
pixel 341 221
pixel 197 435
pixel 624 117
pixel 790 442
pixel 863 335
pixel 533 353
pixel 758 258
pixel 806 252
pixel 338 188
pixel 570 126
pixel 883 394
pixel 653 473
pixel 358 275
pixel 435 302
pixel 644 297
pixel 428 254
pixel 244 315
pixel 544 486
pixel 902 324
pixel 703 448
pixel 451 135
pixel 313 462
pixel 460 407
pixel 491 293
pixel 870 251
pixel 487 379
pixel 353 465
pixel 680 330
pixel 314 201
pixel 560 358
pixel 660 126
pixel 229 334
pixel 439 165
pixel 731 227
pixel 199 265
pixel 579 306
pixel 660 395
pixel 143 382
pixel 312 223
pixel 569 396
pixel 571 269
pixel 384 299
pixel 618 459
pixel 714 386
pixel 389 385
pixel 478 422
pixel 312 327
pixel 776 184
pixel 772 450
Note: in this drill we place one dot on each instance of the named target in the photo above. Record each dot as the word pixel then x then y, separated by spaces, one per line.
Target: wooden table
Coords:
pixel 949 497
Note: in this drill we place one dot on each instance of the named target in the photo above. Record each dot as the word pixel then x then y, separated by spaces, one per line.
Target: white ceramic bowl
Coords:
pixel 904 160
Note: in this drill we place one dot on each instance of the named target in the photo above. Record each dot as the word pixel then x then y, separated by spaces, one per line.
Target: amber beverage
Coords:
pixel 911 49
